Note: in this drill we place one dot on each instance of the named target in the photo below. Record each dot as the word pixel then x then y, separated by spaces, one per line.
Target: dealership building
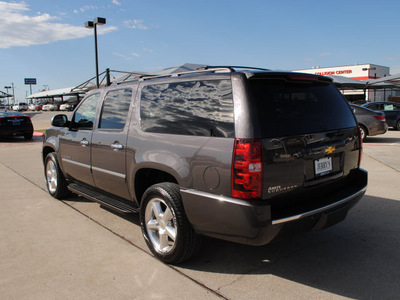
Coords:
pixel 365 73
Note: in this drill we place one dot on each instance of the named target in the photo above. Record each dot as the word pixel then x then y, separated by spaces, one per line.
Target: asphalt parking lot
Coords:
pixel 75 248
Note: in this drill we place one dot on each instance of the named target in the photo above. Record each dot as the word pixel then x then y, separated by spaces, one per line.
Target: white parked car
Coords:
pixel 32 107
pixel 50 107
pixel 67 106
pixel 20 106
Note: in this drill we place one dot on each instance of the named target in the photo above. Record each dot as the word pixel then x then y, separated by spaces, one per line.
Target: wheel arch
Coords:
pixel 46 150
pixel 146 177
pixel 365 127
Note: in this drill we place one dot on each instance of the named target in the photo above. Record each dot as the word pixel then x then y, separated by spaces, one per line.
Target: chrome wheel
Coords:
pixel 165 227
pixel 51 176
pixel 55 180
pixel 363 133
pixel 160 225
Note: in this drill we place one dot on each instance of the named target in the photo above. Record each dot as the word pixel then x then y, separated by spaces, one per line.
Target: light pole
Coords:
pixel 90 24
pixel 8 98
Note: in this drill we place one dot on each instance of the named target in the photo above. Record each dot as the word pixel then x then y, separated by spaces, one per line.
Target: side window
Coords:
pixel 84 116
pixel 115 109
pixel 374 106
pixel 388 107
pixel 202 108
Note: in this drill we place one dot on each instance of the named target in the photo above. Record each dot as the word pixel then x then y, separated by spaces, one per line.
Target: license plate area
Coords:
pixel 16 122
pixel 323 166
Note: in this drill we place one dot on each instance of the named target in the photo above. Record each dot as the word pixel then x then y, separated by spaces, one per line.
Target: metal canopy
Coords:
pixel 345 83
pixel 348 83
pixel 4 95
pixel 54 93
pixel 392 79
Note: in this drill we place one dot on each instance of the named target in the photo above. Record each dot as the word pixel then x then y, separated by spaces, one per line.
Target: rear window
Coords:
pixel 291 108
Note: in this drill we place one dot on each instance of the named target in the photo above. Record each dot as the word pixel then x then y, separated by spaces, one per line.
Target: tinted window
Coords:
pixel 203 108
pixel 115 109
pixel 374 106
pixel 289 108
pixel 84 116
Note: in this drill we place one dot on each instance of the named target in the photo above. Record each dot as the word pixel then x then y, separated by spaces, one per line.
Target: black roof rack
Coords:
pixel 232 68
pixel 215 69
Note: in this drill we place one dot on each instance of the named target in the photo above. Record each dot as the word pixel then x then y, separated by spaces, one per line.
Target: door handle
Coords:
pixel 117 146
pixel 84 142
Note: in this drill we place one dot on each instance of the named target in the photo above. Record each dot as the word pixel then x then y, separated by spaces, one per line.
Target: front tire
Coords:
pixel 165 227
pixel 397 127
pixel 55 181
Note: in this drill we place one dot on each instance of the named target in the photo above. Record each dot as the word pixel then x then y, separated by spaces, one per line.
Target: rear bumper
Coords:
pixel 381 129
pixel 255 222
pixel 18 130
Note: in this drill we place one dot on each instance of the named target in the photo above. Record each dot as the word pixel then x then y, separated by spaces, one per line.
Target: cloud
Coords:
pixel 129 56
pixel 135 24
pixel 85 8
pixel 116 2
pixel 391 58
pixel 17 28
pixel 325 54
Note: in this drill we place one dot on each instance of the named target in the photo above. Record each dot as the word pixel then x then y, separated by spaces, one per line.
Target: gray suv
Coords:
pixel 239 154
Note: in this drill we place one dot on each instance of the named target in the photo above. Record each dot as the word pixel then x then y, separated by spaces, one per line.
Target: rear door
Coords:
pixel 309 132
pixel 109 143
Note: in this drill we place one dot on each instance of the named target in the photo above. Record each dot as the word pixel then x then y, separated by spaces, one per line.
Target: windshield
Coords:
pixel 291 108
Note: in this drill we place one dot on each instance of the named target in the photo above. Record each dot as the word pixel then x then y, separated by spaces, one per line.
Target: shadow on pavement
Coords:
pixel 358 258
pixel 381 140
pixel 21 139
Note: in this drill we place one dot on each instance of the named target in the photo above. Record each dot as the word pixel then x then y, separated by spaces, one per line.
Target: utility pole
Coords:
pixel 13 92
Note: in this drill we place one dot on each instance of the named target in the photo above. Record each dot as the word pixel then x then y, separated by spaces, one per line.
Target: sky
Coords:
pixel 47 40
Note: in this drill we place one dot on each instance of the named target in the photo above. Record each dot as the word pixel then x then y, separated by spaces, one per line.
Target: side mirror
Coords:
pixel 59 121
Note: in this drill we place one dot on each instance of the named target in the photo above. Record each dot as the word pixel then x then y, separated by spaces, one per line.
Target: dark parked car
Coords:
pixel 232 153
pixel 14 123
pixel 371 122
pixel 391 110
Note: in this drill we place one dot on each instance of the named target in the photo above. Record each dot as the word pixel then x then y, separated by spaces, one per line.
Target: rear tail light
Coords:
pixel 247 169
pixel 361 147
pixel 380 118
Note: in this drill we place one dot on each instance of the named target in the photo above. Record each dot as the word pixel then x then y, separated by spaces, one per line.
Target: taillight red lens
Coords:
pixel 380 118
pixel 247 169
pixel 361 147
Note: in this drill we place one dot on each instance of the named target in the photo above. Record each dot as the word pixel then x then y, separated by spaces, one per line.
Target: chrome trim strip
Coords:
pixel 315 211
pixel 112 173
pixel 215 197
pixel 75 163
pixel 274 222
pixel 123 176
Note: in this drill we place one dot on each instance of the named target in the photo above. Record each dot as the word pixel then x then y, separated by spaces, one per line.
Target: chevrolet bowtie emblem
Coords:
pixel 330 150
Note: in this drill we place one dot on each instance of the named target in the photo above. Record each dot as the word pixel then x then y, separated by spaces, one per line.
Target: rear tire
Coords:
pixel 28 136
pixel 55 180
pixel 363 133
pixel 397 127
pixel 165 227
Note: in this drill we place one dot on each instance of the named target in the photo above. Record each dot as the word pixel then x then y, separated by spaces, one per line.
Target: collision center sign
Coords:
pixel 338 72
